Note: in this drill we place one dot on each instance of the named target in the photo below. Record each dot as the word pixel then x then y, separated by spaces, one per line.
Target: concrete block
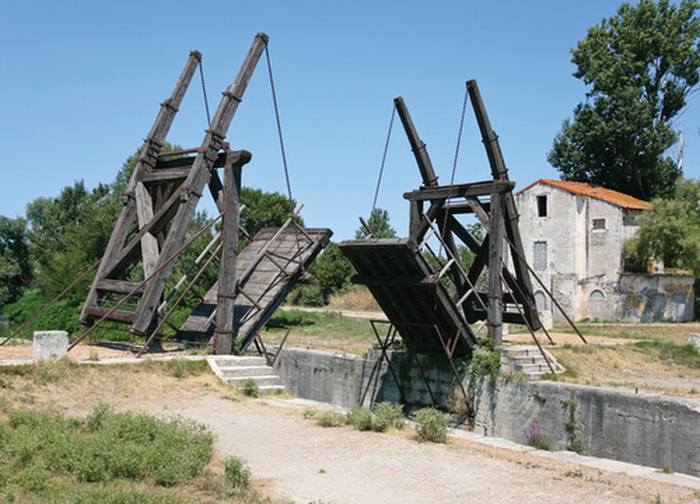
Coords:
pixel 50 345
pixel 694 339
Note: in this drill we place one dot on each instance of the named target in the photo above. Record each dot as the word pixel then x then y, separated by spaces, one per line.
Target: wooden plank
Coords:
pixel 165 176
pixel 149 243
pixel 117 286
pixel 229 253
pixel 459 191
pixel 94 313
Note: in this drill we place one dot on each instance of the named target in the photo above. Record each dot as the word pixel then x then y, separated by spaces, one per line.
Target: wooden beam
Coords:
pixel 459 191
pixel 149 154
pixel 496 231
pixel 149 243
pixel 226 297
pixel 194 185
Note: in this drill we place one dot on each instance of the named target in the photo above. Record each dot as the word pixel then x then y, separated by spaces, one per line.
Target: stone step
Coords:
pixel 521 351
pixel 235 370
pixel 235 360
pixel 528 361
pixel 262 381
pixel 245 371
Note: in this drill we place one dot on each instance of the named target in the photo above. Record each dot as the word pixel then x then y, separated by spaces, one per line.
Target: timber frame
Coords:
pixel 159 204
pixel 397 273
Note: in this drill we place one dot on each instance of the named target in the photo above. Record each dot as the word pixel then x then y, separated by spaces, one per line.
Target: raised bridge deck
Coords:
pixel 408 291
pixel 267 269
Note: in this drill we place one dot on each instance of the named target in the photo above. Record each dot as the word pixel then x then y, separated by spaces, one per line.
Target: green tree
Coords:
pixel 15 269
pixel 640 65
pixel 264 209
pixel 379 224
pixel 669 231
pixel 69 233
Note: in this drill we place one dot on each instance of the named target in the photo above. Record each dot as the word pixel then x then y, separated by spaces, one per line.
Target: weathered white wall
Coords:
pixel 584 264
pixel 656 296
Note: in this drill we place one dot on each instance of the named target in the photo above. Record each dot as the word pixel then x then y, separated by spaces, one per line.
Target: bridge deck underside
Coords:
pixel 405 287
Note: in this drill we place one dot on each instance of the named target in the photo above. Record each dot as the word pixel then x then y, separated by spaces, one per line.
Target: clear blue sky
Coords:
pixel 82 82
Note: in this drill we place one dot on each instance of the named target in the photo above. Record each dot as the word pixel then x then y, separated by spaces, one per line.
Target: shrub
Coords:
pixel 387 415
pixel 330 419
pixel 249 388
pixel 104 447
pixel 237 473
pixel 360 418
pixel 432 424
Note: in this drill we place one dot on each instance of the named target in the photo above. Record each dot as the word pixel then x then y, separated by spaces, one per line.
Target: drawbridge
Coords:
pixel 160 202
pixel 429 297
pixel 267 269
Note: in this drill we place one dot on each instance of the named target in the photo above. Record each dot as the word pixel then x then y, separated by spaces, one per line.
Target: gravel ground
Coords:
pixel 301 462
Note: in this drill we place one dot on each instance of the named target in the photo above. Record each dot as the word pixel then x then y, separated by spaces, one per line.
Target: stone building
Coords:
pixel 573 234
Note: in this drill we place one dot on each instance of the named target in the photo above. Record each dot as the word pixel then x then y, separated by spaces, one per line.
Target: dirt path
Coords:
pixel 302 462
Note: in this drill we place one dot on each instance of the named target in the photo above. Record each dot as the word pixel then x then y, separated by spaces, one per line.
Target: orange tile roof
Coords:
pixel 598 192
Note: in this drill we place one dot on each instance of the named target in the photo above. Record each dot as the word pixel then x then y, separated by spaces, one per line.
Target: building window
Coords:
pixel 597 295
pixel 630 220
pixel 542 206
pixel 598 224
pixel 540 302
pixel 540 255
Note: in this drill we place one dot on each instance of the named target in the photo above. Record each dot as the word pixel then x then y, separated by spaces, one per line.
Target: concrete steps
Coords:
pixel 528 361
pixel 235 370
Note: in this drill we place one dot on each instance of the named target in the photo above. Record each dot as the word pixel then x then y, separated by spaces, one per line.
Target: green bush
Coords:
pixel 105 446
pixel 249 388
pixel 387 415
pixel 360 418
pixel 330 418
pixel 236 473
pixel 432 424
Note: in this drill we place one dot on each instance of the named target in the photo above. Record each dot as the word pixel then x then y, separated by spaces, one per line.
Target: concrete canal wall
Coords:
pixel 646 429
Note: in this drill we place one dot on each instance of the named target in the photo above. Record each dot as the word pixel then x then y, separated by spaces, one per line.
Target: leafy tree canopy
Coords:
pixel 669 230
pixel 640 65
pixel 379 224
pixel 15 269
pixel 264 209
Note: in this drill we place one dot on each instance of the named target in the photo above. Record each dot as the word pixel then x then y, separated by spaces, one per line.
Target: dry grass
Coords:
pixel 651 357
pixel 357 299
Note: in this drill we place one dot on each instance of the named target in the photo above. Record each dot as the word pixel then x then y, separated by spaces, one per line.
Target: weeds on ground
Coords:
pixel 237 475
pixel 249 388
pixel 388 415
pixel 536 438
pixel 384 416
pixel 360 418
pixel 330 418
pixel 432 425
pixel 42 452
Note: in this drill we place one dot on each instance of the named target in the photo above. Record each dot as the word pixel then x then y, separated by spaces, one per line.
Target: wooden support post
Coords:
pixel 511 217
pixel 193 186
pixel 148 156
pixel 226 297
pixel 496 229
